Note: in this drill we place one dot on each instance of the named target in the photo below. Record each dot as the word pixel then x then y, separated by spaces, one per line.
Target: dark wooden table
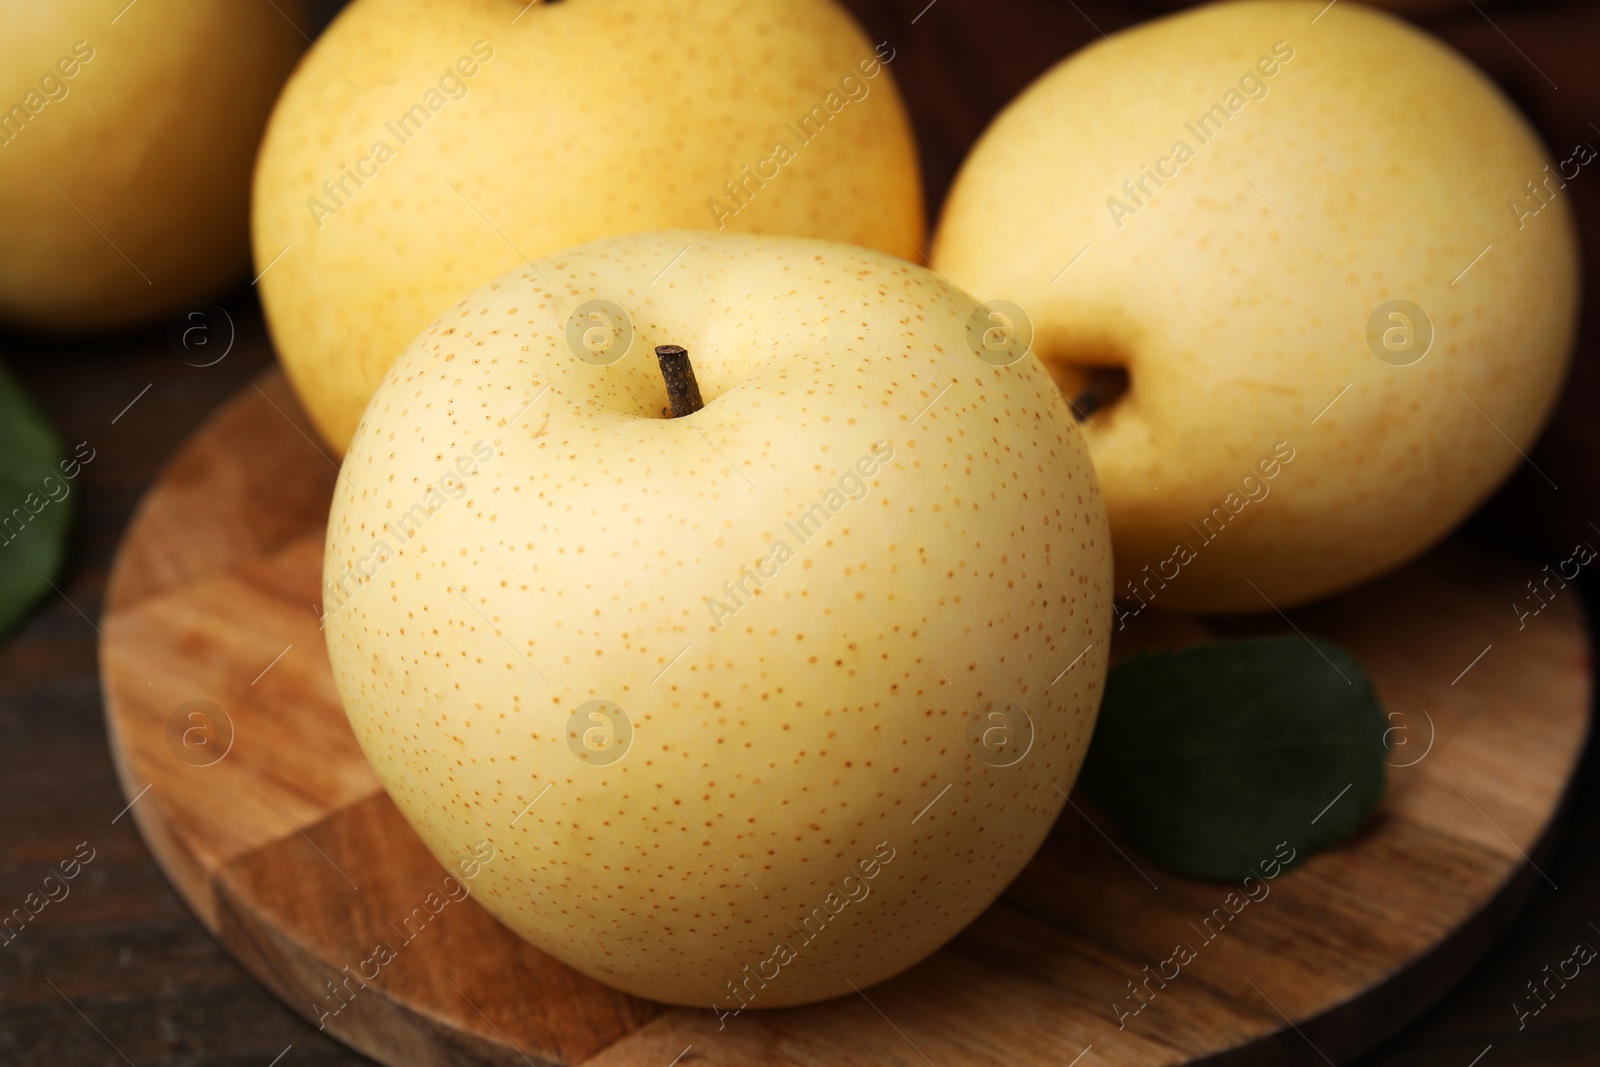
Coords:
pixel 118 971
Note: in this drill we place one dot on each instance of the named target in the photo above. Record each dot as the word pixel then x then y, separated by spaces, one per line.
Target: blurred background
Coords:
pixel 159 990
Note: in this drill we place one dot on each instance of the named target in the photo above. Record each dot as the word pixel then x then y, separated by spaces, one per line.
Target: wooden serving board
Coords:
pixel 283 842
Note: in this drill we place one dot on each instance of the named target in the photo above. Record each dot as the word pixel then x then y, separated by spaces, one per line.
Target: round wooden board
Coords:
pixel 292 855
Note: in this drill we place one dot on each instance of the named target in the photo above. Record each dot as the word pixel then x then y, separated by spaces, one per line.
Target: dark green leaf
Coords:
pixel 1208 757
pixel 33 526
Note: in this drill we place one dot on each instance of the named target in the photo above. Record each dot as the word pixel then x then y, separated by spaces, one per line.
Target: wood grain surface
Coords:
pixel 274 828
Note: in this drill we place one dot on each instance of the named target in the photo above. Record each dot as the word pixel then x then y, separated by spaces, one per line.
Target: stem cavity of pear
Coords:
pixel 682 390
pixel 1105 387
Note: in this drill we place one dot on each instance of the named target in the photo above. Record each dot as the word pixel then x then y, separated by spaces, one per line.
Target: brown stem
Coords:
pixel 682 389
pixel 1106 386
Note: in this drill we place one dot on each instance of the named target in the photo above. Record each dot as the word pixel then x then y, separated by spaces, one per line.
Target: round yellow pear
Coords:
pixel 749 702
pixel 127 136
pixel 1412 8
pixel 1335 264
pixel 432 146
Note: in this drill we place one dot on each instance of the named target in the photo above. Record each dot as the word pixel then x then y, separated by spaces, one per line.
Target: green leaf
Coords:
pixel 33 531
pixel 1208 757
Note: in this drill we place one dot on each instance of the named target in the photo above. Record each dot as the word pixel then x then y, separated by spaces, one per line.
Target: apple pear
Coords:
pixel 753 702
pixel 1335 264
pixel 127 134
pixel 429 147
pixel 1411 8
